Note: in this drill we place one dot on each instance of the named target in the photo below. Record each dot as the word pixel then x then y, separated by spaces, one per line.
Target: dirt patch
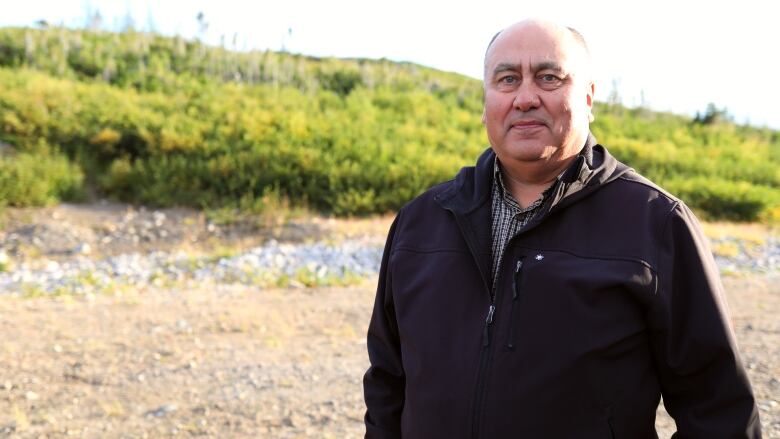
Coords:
pixel 231 361
pixel 225 362
pixel 105 229
pixel 240 362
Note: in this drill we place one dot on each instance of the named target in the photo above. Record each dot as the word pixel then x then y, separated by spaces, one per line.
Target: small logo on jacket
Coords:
pixel 539 257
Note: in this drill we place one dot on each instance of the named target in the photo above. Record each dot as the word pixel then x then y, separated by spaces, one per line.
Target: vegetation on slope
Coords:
pixel 165 121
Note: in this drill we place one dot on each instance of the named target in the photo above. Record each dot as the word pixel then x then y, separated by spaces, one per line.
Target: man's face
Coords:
pixel 538 94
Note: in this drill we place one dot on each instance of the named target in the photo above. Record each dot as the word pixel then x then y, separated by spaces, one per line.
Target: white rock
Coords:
pixel 82 249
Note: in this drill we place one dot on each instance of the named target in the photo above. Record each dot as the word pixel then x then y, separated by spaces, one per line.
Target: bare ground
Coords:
pixel 227 361
pixel 216 362
pixel 238 362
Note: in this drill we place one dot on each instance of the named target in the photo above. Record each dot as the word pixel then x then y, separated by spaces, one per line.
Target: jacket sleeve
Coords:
pixel 384 382
pixel 703 382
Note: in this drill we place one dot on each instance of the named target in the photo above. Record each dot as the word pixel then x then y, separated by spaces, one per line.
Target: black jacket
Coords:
pixel 608 299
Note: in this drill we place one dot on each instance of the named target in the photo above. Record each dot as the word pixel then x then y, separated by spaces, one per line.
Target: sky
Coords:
pixel 673 56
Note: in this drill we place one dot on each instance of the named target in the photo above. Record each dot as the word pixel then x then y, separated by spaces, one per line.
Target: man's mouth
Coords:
pixel 527 123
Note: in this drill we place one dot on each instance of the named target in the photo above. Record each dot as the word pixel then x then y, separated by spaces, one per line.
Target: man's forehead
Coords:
pixel 550 46
pixel 517 58
pixel 534 45
pixel 540 32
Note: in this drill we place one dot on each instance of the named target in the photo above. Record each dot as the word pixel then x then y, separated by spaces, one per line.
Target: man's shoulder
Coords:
pixel 642 183
pixel 630 196
pixel 464 192
pixel 430 199
pixel 633 187
pixel 425 224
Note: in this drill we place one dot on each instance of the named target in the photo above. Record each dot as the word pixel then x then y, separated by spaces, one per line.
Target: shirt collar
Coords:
pixel 498 181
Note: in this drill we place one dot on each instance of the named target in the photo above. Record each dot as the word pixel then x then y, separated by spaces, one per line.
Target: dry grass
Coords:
pixel 750 233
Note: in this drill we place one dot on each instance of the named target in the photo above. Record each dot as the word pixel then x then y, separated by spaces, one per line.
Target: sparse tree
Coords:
pixel 151 25
pixel 128 24
pixel 203 25
pixel 95 21
pixel 713 115
pixel 614 97
pixel 286 39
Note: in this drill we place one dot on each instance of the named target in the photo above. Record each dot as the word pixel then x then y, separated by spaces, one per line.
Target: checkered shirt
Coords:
pixel 508 218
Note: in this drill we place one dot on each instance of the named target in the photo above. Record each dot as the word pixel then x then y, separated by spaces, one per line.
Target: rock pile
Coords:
pixel 272 264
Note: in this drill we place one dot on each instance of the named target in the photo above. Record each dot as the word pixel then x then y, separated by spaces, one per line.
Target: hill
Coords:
pixel 165 121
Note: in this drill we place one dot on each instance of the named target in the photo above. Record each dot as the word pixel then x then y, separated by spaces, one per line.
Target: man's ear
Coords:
pixel 484 116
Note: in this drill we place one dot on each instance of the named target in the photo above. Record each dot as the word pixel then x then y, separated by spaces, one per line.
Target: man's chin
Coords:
pixel 526 151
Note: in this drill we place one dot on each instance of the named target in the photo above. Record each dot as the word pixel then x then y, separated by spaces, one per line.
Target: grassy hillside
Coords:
pixel 165 121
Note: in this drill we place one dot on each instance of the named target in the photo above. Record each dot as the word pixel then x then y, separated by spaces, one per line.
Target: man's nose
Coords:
pixel 526 97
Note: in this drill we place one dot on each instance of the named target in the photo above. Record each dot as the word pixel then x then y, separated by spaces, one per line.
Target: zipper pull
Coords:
pixel 489 319
pixel 514 278
pixel 488 322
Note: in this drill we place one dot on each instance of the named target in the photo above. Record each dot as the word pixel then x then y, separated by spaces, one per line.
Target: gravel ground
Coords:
pixel 237 361
pixel 67 250
pixel 129 322
pixel 273 264
pixel 217 362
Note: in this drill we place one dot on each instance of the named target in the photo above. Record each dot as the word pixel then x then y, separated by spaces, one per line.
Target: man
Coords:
pixel 550 291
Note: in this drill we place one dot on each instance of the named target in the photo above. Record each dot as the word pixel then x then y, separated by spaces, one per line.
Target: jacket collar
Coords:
pixel 468 196
pixel 472 186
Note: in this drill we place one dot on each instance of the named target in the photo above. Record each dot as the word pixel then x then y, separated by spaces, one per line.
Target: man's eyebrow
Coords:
pixel 503 67
pixel 548 65
pixel 544 65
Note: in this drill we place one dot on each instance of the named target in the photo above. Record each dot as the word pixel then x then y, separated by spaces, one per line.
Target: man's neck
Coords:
pixel 527 181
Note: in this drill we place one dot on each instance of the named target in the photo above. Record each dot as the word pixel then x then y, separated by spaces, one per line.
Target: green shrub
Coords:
pixel 36 179
pixel 727 200
pixel 164 121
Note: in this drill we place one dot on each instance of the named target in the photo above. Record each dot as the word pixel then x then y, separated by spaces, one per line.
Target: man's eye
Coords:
pixel 549 78
pixel 508 80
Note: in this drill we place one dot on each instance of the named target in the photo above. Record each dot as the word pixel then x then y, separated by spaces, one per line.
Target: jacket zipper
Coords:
pixel 483 363
pixel 484 357
pixel 515 294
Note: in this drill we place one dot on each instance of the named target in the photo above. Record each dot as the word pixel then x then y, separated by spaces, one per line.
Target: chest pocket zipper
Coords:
pixel 512 339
